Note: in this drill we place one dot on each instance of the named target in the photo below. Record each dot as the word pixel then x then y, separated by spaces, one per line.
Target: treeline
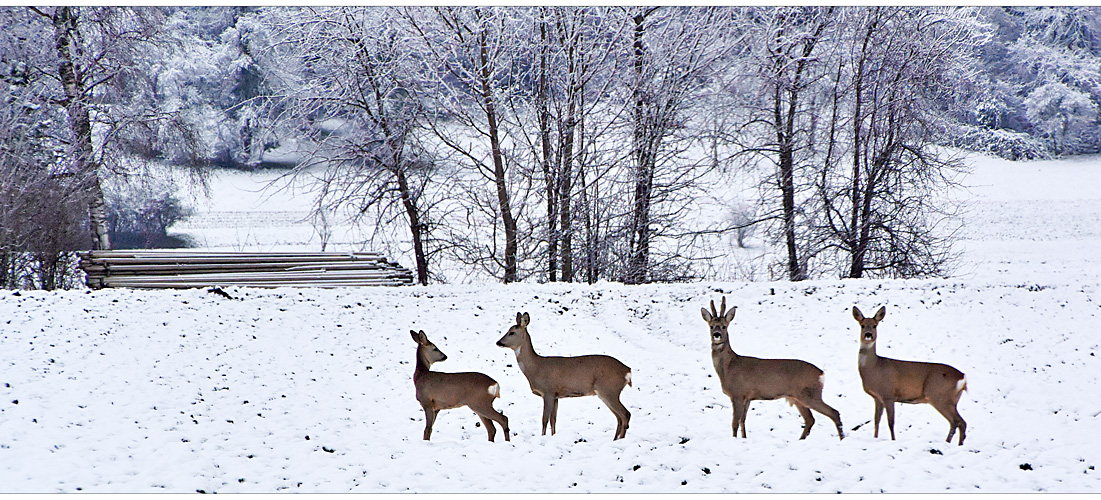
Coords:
pixel 554 143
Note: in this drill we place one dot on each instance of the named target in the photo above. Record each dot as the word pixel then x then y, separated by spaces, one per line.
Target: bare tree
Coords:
pixel 882 176
pixel 468 61
pixel 566 86
pixel 673 53
pixel 41 222
pixel 350 84
pixel 787 65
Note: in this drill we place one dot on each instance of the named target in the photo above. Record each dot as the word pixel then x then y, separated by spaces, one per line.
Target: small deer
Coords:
pixel 746 379
pixel 441 391
pixel 889 381
pixel 553 377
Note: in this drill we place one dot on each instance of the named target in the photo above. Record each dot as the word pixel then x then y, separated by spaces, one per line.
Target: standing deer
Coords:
pixel 746 379
pixel 441 391
pixel 553 377
pixel 890 380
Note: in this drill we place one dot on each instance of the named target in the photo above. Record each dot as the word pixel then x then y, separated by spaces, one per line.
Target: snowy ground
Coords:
pixel 311 390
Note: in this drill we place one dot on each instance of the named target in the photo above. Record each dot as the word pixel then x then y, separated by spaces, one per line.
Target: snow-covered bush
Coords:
pixel 1060 114
pixel 1003 143
pixel 138 216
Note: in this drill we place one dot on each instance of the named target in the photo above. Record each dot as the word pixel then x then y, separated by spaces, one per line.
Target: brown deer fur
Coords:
pixel 746 379
pixel 889 381
pixel 553 377
pixel 441 391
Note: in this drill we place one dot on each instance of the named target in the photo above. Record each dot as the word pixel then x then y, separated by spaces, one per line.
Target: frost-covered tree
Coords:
pixel 468 73
pixel 1060 113
pixel 351 90
pixel 788 65
pixel 98 64
pixel 1041 66
pixel 673 54
pixel 881 173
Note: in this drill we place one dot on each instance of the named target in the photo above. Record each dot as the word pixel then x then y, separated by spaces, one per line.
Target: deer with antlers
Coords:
pixel 441 391
pixel 889 381
pixel 553 377
pixel 746 379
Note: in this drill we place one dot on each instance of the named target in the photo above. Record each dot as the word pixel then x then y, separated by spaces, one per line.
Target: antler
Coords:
pixel 713 313
pixel 723 311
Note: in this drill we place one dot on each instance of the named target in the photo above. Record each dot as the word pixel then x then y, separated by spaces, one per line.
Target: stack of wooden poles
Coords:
pixel 187 269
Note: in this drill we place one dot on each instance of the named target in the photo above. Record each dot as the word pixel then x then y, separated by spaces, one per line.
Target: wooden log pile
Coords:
pixel 186 269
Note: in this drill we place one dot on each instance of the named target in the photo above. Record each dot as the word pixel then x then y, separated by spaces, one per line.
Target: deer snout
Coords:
pixel 443 357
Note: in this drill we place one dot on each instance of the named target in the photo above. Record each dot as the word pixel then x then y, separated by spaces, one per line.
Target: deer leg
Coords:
pixel 808 419
pixel 429 419
pixel 745 412
pixel 548 406
pixel 490 429
pixel 890 406
pixel 488 415
pixel 878 415
pixel 622 416
pixel 554 415
pixel 954 420
pixel 827 410
pixel 739 409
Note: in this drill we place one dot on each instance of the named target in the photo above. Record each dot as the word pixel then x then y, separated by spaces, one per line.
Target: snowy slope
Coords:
pixel 311 390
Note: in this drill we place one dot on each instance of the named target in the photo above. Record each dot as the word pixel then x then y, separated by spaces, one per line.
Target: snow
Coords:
pixel 311 390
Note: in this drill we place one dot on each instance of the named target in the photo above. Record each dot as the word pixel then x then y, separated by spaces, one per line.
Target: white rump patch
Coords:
pixel 628 377
pixel 822 379
pixel 961 385
pixel 495 390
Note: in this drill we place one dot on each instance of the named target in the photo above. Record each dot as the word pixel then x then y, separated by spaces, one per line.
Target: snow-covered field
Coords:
pixel 311 390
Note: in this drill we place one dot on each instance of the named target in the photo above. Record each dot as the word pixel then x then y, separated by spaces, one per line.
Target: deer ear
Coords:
pixel 519 319
pixel 416 336
pixel 857 315
pixel 706 315
pixel 881 313
pixel 527 320
pixel 729 316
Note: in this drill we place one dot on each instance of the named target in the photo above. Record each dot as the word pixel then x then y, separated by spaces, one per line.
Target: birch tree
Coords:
pixel 99 59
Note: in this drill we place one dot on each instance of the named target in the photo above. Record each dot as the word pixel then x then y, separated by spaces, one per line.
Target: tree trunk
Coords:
pixel 416 228
pixel 498 159
pixel 637 261
pixel 80 123
pixel 857 224
pixel 564 192
pixel 565 176
pixel 549 163
pixel 784 116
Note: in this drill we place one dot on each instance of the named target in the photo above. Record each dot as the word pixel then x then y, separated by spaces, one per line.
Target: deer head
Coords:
pixel 867 325
pixel 426 350
pixel 718 321
pixel 514 337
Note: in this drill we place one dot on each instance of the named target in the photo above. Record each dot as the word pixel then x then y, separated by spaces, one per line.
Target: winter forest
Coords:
pixel 540 144
pixel 741 213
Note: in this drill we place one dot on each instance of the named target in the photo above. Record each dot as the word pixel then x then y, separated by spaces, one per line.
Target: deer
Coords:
pixel 889 381
pixel 554 377
pixel 441 391
pixel 745 379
